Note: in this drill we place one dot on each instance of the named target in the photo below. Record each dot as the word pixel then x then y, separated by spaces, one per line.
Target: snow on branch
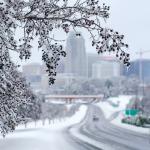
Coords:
pixel 39 18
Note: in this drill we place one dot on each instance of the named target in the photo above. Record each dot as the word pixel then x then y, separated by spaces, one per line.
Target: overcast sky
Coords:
pixel 132 18
pixel 129 17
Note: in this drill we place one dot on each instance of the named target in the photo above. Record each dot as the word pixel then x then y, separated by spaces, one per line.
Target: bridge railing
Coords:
pixel 71 98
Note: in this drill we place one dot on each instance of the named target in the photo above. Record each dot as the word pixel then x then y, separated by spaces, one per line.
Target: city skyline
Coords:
pixel 128 21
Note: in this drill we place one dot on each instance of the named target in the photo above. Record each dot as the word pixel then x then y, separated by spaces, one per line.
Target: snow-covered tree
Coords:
pixel 53 111
pixel 13 93
pixel 108 85
pixel 32 111
pixel 72 110
pixel 39 18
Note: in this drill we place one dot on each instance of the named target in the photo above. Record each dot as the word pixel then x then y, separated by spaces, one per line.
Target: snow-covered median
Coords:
pixel 117 122
pixel 113 110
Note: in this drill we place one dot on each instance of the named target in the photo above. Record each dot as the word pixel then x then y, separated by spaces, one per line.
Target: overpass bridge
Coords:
pixel 72 98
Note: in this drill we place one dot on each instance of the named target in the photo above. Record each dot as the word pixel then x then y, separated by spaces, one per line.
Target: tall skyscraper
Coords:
pixel 76 60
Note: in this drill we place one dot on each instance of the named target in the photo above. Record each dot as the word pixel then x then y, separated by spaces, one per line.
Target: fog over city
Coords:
pixel 129 17
pixel 74 75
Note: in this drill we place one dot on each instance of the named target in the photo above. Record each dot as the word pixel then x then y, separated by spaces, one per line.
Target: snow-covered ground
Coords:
pixel 49 136
pixel 119 102
pixel 117 105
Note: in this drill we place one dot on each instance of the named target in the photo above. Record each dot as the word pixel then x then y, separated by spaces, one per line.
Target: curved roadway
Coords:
pixel 113 137
pixel 101 131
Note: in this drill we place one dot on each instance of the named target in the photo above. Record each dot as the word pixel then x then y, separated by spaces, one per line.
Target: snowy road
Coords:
pixel 72 134
pixel 107 135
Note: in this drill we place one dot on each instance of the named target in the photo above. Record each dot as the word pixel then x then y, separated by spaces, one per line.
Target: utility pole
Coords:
pixel 140 53
pixel 141 67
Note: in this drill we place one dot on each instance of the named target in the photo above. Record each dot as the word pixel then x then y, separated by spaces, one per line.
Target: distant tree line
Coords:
pixel 108 87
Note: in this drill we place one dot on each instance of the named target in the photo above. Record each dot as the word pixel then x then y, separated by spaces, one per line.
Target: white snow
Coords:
pixel 108 109
pixel 119 103
pixel 42 137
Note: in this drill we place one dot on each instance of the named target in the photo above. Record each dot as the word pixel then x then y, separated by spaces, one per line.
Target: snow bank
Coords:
pixel 63 123
pixel 117 105
pixel 114 104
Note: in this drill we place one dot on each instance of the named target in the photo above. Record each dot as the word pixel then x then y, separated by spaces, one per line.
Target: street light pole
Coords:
pixel 140 67
pixel 141 72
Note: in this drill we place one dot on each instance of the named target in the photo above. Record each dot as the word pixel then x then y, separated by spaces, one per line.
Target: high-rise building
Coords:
pixel 32 73
pixel 32 69
pixel 37 76
pixel 100 66
pixel 92 58
pixel 76 60
pixel 139 68
pixel 44 83
pixel 106 68
pixel 61 66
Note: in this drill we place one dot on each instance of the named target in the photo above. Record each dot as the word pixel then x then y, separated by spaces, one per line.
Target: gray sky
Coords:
pixel 132 18
pixel 129 17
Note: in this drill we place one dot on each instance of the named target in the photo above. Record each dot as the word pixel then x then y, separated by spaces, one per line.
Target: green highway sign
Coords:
pixel 131 112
